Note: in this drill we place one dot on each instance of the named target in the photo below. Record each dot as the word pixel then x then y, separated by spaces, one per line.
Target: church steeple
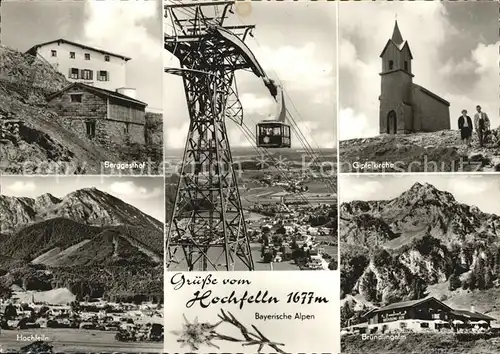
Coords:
pixel 396 54
pixel 397 38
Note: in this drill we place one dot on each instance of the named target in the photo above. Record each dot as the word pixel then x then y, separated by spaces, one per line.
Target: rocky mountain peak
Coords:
pixel 426 192
pixel 89 206
pixel 45 201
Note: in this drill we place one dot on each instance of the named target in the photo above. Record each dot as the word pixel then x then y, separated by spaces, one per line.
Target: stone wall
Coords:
pixel 154 128
pixel 116 133
pixel 108 133
pixel 73 115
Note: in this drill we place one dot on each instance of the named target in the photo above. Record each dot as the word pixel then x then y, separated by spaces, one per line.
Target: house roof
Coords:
pixel 472 315
pixel 98 91
pixel 83 46
pixel 406 304
pixel 431 94
pixel 413 303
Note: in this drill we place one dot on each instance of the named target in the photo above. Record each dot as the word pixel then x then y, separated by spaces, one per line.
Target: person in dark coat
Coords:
pixel 465 126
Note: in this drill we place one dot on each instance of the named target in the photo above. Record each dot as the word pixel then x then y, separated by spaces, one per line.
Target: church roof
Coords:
pixel 397 40
pixel 431 94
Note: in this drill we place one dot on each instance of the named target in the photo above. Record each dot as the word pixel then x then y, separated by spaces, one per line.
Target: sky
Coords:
pixel 293 41
pixel 482 191
pixel 455 50
pixel 130 28
pixel 144 193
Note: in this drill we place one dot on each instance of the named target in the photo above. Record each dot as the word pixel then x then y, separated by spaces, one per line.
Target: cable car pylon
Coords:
pixel 207 224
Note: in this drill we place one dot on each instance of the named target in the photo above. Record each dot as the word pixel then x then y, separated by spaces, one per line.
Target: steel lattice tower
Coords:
pixel 207 224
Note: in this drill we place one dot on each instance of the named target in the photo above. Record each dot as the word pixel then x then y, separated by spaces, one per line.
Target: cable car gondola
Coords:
pixel 275 133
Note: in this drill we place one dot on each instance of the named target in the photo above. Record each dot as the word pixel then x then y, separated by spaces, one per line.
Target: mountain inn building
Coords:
pixel 427 314
pixel 82 63
pixel 108 118
pixel 406 107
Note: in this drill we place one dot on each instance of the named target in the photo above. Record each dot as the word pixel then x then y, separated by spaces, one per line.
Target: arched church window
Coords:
pixel 391 65
pixel 406 65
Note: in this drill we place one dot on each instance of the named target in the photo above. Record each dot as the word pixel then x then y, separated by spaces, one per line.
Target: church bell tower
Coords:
pixel 396 113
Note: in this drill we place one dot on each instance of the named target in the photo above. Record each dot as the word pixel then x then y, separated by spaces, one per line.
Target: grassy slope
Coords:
pixel 484 301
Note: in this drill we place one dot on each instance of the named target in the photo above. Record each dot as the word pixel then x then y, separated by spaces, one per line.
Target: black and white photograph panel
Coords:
pixel 419 86
pixel 81 87
pixel 420 263
pixel 247 313
pixel 250 136
pixel 81 265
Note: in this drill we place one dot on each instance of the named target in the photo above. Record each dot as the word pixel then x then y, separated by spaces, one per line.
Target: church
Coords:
pixel 406 107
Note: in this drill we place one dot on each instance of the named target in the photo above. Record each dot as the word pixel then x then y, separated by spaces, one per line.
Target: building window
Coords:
pixel 76 97
pixel 106 58
pixel 406 65
pixel 103 75
pixel 126 129
pixel 391 65
pixel 53 53
pixel 424 325
pixel 87 74
pixel 73 73
pixel 87 56
pixel 72 55
pixel 90 127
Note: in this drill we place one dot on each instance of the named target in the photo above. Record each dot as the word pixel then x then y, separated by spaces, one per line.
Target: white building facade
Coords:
pixel 81 63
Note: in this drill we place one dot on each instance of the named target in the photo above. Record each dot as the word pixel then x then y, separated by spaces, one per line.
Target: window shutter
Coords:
pixel 81 74
pixel 107 75
pixel 91 72
pixel 70 72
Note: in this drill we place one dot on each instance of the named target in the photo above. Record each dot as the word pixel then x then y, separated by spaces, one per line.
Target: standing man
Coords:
pixel 481 124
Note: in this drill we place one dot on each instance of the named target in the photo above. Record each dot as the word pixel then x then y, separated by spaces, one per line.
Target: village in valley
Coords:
pixel 290 212
pixel 48 320
pixel 81 269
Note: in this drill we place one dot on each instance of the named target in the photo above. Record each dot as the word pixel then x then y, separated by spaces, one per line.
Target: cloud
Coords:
pixel 315 134
pixel 119 27
pixel 355 125
pixel 133 191
pixel 468 185
pixel 351 188
pixel 298 68
pixel 175 137
pixel 21 186
pixel 255 104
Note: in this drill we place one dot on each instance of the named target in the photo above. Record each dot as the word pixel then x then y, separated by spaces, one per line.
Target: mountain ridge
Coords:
pixel 394 250
pixel 90 241
pixel 87 205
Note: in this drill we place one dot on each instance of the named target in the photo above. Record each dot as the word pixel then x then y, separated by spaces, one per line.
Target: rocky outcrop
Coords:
pixel 441 151
pixel 420 238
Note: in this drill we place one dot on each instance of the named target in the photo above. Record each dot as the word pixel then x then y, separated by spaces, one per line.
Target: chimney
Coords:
pixel 472 309
pixel 127 91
